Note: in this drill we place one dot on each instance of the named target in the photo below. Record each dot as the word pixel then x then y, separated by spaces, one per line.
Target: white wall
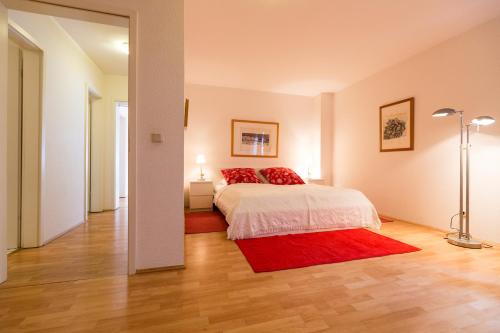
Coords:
pixel 13 146
pixel 324 104
pixel 3 141
pixel 160 108
pixel 97 121
pixel 123 153
pixel 116 89
pixel 67 70
pixel 422 185
pixel 209 130
pixel 158 72
pixel 30 169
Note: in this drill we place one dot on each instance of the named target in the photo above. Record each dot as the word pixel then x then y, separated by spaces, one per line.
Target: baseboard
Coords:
pixel 160 269
pixel 12 251
pixel 51 239
pixel 106 210
pixel 446 232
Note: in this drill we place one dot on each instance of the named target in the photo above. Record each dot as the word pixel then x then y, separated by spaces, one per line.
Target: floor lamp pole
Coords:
pixel 461 214
pixel 464 239
pixel 467 173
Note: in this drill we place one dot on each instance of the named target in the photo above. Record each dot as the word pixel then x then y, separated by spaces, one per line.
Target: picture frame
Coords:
pixel 396 126
pixel 251 138
pixel 186 112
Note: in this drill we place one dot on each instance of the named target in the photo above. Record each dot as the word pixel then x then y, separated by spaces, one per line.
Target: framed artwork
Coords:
pixel 396 125
pixel 254 138
pixel 186 112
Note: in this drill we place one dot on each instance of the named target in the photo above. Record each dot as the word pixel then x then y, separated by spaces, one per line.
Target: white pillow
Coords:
pixel 220 185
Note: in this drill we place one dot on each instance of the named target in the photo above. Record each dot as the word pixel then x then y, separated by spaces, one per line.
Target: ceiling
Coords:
pixel 104 44
pixel 306 47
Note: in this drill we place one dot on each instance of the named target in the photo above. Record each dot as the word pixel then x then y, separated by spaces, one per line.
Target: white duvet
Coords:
pixel 258 210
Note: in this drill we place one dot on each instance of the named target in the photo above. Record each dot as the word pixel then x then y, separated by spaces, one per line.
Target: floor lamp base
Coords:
pixel 463 242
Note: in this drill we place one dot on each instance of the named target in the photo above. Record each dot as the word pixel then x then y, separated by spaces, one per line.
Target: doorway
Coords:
pixel 121 17
pixel 122 150
pixel 91 161
pixel 75 141
pixel 23 141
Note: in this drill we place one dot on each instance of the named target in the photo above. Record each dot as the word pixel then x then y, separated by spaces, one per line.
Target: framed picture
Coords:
pixel 186 112
pixel 396 125
pixel 254 138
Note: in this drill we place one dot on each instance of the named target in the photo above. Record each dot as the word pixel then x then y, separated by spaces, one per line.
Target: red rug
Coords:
pixel 268 254
pixel 202 222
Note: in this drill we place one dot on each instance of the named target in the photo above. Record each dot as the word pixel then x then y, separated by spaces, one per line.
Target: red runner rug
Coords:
pixel 268 254
pixel 202 222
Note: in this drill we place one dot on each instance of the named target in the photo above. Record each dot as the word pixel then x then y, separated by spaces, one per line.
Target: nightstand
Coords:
pixel 201 195
pixel 317 181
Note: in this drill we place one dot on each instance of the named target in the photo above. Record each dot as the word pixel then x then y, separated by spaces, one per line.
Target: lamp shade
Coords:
pixel 200 159
pixel 483 121
pixel 445 112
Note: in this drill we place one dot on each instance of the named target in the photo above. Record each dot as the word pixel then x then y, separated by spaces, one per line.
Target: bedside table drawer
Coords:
pixel 200 201
pixel 201 188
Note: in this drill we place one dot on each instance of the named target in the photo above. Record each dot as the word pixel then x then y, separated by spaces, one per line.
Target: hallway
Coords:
pixel 94 249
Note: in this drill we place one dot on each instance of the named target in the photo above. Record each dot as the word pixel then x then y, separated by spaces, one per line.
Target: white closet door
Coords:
pixel 13 146
pixel 31 149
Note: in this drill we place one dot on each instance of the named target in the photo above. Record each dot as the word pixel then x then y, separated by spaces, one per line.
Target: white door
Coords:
pixel 122 110
pixel 23 142
pixel 14 115
pixel 3 141
pixel 30 166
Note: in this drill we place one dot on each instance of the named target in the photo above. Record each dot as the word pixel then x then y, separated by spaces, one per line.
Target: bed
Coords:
pixel 261 210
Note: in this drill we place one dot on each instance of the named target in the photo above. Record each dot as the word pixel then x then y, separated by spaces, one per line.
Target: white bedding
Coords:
pixel 258 210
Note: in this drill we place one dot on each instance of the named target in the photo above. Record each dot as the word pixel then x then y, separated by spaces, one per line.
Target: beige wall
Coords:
pixel 3 141
pixel 116 89
pixel 422 185
pixel 62 145
pixel 122 156
pixel 67 72
pixel 13 146
pixel 209 130
pixel 160 108
pixel 30 169
pixel 324 103
pixel 158 71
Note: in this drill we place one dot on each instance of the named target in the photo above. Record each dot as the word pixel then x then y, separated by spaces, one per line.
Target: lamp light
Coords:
pixel 122 47
pixel 463 238
pixel 200 160
pixel 444 112
pixel 483 121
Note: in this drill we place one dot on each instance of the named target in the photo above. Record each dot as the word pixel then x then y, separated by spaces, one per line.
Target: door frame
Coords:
pixel 100 12
pixel 91 95
pixel 18 179
pixel 30 231
pixel 116 146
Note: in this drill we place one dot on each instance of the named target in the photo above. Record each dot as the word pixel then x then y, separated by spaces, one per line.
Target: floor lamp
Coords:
pixel 463 238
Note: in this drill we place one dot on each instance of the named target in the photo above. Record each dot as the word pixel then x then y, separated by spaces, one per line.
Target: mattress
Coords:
pixel 260 210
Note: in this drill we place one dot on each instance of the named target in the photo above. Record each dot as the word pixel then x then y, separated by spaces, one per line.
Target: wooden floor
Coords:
pixel 92 250
pixel 440 289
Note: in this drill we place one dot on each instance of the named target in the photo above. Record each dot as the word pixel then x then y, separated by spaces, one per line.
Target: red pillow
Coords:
pixel 240 175
pixel 281 176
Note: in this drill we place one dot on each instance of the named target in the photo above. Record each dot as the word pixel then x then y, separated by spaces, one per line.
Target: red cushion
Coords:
pixel 240 175
pixel 281 176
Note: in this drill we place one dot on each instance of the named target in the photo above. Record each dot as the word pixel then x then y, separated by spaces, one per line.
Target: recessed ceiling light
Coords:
pixel 122 47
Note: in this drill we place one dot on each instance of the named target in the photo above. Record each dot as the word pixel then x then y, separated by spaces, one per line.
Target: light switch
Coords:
pixel 156 138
